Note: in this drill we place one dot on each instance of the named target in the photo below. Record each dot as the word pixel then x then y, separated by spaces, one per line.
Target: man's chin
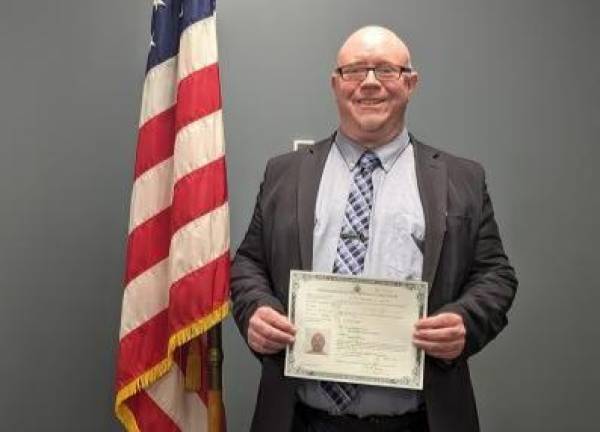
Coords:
pixel 371 125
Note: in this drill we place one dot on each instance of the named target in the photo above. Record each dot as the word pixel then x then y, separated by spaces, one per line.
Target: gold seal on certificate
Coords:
pixel 355 329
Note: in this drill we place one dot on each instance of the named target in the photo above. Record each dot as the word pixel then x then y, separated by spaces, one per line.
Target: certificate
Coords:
pixel 355 329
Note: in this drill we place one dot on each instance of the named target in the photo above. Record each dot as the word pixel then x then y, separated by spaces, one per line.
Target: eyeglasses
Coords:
pixel 382 73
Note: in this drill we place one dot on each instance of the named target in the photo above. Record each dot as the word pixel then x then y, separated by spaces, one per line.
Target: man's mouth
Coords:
pixel 369 102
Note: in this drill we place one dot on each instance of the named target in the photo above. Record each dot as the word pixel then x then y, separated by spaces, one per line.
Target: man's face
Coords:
pixel 372 111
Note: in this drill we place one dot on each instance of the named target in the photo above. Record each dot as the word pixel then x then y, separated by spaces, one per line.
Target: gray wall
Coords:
pixel 513 84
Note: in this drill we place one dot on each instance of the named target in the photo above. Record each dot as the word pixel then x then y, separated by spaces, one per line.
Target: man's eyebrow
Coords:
pixel 365 63
pixel 358 63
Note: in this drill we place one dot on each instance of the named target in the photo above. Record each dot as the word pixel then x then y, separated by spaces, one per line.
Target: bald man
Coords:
pixel 421 214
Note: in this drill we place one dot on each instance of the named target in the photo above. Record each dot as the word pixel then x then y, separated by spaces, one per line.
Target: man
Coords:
pixel 424 214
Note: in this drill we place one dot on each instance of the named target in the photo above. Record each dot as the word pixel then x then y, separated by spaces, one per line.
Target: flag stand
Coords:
pixel 216 408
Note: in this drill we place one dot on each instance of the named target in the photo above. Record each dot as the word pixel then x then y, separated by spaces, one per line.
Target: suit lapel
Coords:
pixel 432 181
pixel 309 178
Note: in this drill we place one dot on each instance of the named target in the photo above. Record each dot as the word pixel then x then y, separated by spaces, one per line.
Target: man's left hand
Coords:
pixel 442 336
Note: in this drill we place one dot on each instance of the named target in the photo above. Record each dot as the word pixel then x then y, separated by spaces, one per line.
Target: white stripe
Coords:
pixel 186 409
pixel 152 193
pixel 197 144
pixel 192 247
pixel 144 297
pixel 197 47
pixel 160 89
pixel 199 242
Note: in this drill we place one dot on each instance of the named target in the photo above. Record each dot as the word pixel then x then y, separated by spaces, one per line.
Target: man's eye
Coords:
pixel 353 70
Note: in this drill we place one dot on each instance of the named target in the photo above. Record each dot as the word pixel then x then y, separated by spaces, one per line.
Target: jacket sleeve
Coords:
pixel 489 286
pixel 251 284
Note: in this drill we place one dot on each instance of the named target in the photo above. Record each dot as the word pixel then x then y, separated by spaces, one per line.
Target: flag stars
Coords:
pixel 152 43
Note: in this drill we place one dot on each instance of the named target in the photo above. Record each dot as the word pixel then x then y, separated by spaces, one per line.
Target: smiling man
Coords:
pixel 372 200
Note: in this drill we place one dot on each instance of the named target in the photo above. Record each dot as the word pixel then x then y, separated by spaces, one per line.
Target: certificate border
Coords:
pixel 413 381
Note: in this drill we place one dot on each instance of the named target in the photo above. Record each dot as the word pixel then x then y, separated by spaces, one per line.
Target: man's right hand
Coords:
pixel 269 331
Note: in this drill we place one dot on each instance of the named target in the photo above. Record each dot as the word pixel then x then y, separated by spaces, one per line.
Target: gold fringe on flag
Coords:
pixel 153 374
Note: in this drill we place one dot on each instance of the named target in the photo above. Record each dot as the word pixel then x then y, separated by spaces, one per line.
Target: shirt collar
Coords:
pixel 387 153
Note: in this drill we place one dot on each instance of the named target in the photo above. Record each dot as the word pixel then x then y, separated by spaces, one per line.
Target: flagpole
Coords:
pixel 216 409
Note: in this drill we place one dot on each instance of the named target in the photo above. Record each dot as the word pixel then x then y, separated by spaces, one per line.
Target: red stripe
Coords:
pixel 199 293
pixel 148 415
pixel 198 193
pixel 194 296
pixel 143 348
pixel 194 195
pixel 198 95
pixel 156 140
pixel 148 244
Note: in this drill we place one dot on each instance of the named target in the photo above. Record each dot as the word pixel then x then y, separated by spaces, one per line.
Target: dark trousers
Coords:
pixel 307 419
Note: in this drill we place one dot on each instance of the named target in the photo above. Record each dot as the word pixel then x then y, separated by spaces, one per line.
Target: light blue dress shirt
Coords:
pixel 396 235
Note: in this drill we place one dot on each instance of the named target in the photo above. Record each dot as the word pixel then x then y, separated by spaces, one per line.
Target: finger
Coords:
pixel 445 355
pixel 273 334
pixel 277 320
pixel 438 347
pixel 446 350
pixel 447 334
pixel 262 345
pixel 446 319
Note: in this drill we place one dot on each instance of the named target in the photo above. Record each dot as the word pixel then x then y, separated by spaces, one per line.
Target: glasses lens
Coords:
pixel 353 73
pixel 385 73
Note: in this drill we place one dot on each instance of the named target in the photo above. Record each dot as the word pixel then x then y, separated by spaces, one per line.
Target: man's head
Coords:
pixel 372 109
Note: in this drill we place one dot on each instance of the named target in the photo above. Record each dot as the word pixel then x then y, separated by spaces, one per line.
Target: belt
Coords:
pixel 416 421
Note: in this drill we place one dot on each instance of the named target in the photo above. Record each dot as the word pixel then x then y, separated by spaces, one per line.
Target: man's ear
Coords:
pixel 411 81
pixel 332 80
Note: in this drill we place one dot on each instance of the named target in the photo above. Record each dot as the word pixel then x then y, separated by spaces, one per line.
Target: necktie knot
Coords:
pixel 368 162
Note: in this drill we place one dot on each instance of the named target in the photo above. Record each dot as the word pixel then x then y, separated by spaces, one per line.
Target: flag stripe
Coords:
pixel 198 192
pixel 209 131
pixel 152 191
pixel 198 50
pixel 185 409
pixel 208 284
pixel 139 351
pixel 143 298
pixel 151 194
pixel 198 96
pixel 136 345
pixel 187 254
pixel 154 417
pixel 160 88
pixel 149 242
pixel 156 141
pixel 198 47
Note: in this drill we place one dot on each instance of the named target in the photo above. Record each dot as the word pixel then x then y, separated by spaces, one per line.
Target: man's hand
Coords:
pixel 442 336
pixel 269 331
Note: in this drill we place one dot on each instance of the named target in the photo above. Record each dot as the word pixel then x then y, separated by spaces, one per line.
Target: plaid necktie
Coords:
pixel 351 252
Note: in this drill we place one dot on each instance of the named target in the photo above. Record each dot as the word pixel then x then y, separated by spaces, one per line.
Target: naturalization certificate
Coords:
pixel 355 329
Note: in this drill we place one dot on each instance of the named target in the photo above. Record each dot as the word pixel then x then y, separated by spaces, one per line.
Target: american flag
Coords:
pixel 177 268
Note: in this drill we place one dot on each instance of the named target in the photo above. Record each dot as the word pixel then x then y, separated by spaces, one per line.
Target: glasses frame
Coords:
pixel 401 70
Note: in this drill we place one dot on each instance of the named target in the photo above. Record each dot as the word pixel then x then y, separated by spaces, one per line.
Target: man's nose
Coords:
pixel 371 79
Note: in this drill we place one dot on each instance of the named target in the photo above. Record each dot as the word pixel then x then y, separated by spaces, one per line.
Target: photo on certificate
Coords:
pixel 355 329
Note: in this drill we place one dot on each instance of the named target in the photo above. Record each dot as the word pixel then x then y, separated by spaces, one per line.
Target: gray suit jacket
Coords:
pixel 464 264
